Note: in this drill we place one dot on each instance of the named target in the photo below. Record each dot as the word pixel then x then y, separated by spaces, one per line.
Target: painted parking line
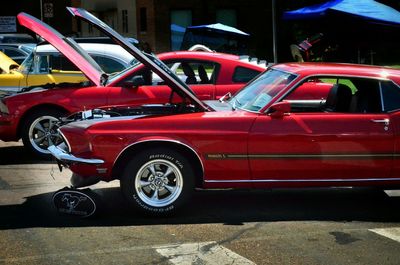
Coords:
pixel 392 233
pixel 182 254
pixel 202 253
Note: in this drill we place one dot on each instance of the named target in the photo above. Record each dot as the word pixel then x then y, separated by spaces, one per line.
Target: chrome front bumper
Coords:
pixel 66 158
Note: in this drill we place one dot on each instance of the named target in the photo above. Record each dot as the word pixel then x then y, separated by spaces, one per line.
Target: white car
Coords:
pixel 111 57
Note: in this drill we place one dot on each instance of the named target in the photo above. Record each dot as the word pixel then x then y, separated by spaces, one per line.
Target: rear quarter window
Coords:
pixel 243 74
pixel 391 96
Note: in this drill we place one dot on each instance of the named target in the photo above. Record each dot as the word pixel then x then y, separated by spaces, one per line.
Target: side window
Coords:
pixel 13 53
pixel 348 95
pixel 243 74
pixel 108 65
pixel 60 63
pixel 391 96
pixel 311 96
pixel 194 72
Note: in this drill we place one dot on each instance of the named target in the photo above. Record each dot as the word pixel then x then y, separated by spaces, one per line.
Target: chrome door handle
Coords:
pixel 384 121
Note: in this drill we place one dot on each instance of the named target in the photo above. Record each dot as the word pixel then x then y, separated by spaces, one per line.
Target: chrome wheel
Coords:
pixel 159 183
pixel 43 133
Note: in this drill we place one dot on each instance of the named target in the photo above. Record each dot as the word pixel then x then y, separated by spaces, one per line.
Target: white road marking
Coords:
pixel 202 253
pixel 392 233
pixel 393 193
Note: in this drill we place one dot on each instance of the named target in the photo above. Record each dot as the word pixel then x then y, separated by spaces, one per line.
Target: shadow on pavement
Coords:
pixel 18 155
pixel 232 207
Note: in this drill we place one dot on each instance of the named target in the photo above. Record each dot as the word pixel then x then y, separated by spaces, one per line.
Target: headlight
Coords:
pixel 3 107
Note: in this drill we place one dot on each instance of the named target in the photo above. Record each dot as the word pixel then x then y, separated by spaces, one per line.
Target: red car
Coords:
pixel 32 115
pixel 275 132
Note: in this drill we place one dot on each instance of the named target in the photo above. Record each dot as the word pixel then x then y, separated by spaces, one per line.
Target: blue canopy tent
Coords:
pixel 218 27
pixel 368 10
pixel 217 37
pixel 354 30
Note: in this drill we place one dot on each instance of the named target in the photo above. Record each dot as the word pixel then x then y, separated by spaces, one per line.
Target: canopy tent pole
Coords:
pixel 274 39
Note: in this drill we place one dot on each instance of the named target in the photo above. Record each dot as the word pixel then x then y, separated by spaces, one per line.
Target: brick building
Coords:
pixel 52 12
pixel 155 17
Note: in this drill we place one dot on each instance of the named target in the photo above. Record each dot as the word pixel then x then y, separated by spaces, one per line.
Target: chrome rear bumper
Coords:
pixel 66 158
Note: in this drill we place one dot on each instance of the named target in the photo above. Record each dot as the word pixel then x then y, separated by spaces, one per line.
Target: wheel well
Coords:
pixel 188 153
pixel 38 108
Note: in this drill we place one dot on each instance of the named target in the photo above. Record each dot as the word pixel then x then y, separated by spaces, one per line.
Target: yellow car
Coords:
pixel 45 65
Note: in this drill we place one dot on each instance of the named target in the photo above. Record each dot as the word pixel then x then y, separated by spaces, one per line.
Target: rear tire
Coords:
pixel 39 131
pixel 158 181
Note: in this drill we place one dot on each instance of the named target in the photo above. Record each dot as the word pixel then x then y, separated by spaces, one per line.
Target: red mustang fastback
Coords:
pixel 276 132
pixel 32 115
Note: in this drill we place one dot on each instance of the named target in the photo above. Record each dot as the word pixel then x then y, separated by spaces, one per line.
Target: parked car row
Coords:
pixel 163 131
pixel 51 86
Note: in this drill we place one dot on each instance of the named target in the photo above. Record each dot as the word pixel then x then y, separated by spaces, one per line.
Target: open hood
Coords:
pixel 147 59
pixel 6 63
pixel 67 46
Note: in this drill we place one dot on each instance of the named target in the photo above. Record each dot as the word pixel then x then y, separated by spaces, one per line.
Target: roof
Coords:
pixel 197 54
pixel 100 48
pixel 338 69
pixel 212 56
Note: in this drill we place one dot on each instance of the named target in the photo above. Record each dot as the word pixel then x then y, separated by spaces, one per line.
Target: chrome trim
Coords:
pixel 385 121
pixel 298 180
pixel 63 156
pixel 161 140
pixel 295 156
pixel 65 140
pixel 381 94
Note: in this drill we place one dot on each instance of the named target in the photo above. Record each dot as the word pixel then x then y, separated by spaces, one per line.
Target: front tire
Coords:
pixel 158 181
pixel 39 131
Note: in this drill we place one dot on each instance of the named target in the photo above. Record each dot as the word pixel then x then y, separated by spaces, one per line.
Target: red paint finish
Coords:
pixel 332 138
pixel 76 99
pixel 240 148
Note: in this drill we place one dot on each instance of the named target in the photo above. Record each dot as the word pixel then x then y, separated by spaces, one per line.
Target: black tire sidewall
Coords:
pixel 129 175
pixel 27 124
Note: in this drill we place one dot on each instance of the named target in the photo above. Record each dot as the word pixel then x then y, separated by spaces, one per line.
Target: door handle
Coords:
pixel 384 121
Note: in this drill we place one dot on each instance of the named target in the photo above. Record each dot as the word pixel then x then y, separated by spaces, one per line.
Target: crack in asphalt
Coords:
pixel 233 237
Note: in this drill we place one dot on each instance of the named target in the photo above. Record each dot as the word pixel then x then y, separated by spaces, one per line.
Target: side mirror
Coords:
pixel 135 82
pixel 280 109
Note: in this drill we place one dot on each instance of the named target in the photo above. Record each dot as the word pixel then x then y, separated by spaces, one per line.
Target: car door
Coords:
pixel 391 103
pixel 324 145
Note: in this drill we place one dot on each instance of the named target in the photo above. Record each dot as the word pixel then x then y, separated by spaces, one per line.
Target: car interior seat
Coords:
pixel 338 99
pixel 203 75
pixel 366 100
pixel 188 71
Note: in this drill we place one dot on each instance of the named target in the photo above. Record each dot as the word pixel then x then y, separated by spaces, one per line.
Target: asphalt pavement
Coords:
pixel 312 226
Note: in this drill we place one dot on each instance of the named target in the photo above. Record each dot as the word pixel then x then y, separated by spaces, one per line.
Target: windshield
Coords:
pixel 115 76
pixel 259 93
pixel 26 64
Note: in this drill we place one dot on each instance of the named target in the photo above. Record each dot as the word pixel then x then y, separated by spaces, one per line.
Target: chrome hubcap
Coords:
pixel 43 133
pixel 158 183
